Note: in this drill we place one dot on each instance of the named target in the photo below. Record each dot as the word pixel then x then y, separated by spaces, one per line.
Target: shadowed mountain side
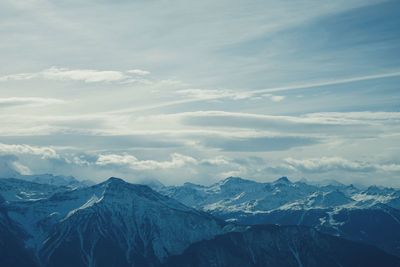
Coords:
pixel 275 246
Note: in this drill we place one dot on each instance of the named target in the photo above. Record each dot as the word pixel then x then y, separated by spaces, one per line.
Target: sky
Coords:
pixel 196 91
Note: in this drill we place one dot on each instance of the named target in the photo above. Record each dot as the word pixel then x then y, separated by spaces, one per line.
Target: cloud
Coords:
pixel 18 77
pixel 345 124
pixel 217 161
pixel 216 94
pixel 28 101
pixel 235 119
pixel 208 94
pixel 275 98
pixel 84 75
pixel 22 149
pixel 261 143
pixel 328 164
pixel 7 166
pixel 177 161
pixel 327 83
pixel 138 72
pixel 21 169
pixel 367 117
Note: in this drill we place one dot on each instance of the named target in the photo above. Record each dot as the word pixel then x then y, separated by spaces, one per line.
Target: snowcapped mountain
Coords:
pixel 34 187
pixel 20 190
pixel 48 179
pixel 134 224
pixel 235 194
pixel 56 180
pixel 369 215
pixel 275 246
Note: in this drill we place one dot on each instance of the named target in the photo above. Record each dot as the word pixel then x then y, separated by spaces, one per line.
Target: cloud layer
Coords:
pixel 179 92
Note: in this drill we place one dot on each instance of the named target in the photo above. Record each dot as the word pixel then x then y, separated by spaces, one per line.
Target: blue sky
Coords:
pixel 198 91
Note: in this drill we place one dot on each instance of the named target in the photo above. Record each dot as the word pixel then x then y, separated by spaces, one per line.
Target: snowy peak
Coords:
pixel 115 180
pixel 117 189
pixel 234 181
pixel 132 219
pixel 114 184
pixel 282 180
pixel 111 202
pixel 133 222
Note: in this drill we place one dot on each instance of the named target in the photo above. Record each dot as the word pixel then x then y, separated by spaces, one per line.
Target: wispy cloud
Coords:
pixel 28 101
pixel 275 98
pixel 328 124
pixel 327 83
pixel 199 95
pixel 84 75
pixel 327 164
pixel 204 94
pixel 217 94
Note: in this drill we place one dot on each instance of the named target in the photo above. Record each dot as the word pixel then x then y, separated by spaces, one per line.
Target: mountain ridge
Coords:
pixel 323 207
pixel 124 224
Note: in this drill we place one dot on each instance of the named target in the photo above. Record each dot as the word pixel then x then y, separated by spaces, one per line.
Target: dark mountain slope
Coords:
pixel 12 250
pixel 275 246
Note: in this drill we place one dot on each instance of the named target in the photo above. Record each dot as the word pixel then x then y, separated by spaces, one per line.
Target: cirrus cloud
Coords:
pixel 84 75
pixel 28 101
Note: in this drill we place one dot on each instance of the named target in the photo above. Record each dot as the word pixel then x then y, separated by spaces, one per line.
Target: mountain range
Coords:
pixel 340 210
pixel 115 223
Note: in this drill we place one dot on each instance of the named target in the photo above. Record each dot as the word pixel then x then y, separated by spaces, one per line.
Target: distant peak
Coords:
pixel 375 190
pixel 114 180
pixel 374 187
pixel 282 180
pixel 233 179
pixel 189 184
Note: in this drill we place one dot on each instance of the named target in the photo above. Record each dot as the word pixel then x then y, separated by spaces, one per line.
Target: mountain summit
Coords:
pixel 282 180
